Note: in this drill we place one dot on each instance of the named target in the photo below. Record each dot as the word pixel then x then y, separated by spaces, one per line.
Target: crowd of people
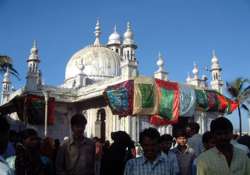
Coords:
pixel 186 152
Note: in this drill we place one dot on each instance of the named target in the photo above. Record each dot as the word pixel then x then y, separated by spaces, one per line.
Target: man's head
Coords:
pixel 181 137
pixel 208 140
pixel 30 139
pixel 166 142
pixel 149 140
pixel 192 128
pixel 222 130
pixel 4 134
pixel 78 124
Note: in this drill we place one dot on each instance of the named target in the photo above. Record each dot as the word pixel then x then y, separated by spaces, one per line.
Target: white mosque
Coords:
pixel 88 72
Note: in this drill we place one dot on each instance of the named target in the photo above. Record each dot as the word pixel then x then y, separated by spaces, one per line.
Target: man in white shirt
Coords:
pixel 4 137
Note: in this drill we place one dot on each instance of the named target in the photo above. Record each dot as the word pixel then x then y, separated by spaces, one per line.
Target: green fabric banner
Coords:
pixel 166 103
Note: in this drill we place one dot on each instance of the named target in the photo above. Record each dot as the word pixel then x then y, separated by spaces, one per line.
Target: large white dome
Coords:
pixel 96 62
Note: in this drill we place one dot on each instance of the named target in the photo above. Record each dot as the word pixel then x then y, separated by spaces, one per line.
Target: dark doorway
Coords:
pixel 101 116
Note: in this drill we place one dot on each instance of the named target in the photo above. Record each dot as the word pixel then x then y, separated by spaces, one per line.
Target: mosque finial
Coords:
pixel 6 74
pixel 115 29
pixel 97 33
pixel 195 70
pixel 188 77
pixel 34 49
pixel 159 55
pixel 128 26
pixel 34 44
pixel 213 53
pixel 160 62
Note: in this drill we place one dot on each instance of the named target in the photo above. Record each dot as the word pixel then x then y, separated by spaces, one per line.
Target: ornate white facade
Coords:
pixel 88 72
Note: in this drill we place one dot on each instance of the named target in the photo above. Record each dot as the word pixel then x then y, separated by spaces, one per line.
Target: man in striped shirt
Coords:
pixel 152 162
pixel 224 158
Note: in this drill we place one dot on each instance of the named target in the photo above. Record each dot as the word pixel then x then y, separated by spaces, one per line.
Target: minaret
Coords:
pixel 33 74
pixel 6 87
pixel 160 73
pixel 114 42
pixel 129 63
pixel 97 33
pixel 216 82
pixel 195 80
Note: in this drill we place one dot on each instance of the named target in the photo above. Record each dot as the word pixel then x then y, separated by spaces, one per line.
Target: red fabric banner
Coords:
pixel 159 121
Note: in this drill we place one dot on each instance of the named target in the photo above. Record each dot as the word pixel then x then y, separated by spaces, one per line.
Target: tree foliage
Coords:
pixel 239 90
pixel 6 62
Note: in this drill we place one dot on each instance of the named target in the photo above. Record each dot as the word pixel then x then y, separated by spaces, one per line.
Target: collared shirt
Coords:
pixel 4 167
pixel 77 158
pixel 195 142
pixel 185 160
pixel 172 162
pixel 142 166
pixel 214 162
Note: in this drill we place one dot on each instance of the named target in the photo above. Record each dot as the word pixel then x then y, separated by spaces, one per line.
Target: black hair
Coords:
pixel 24 134
pixel 180 133
pixel 165 137
pixel 207 136
pixel 221 123
pixel 4 125
pixel 78 119
pixel 194 126
pixel 151 133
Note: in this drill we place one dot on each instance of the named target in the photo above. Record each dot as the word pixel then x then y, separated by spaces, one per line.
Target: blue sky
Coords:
pixel 184 31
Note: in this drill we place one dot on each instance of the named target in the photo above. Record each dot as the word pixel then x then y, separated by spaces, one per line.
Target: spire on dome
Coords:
pixel 160 73
pixel 188 79
pixel 6 77
pixel 128 26
pixel 213 53
pixel 195 71
pixel 34 44
pixel 214 59
pixel 34 52
pixel 97 33
pixel 128 35
pixel 34 49
pixel 160 62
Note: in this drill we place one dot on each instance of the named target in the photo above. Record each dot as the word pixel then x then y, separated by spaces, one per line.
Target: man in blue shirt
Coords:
pixel 152 162
pixel 166 142
pixel 4 137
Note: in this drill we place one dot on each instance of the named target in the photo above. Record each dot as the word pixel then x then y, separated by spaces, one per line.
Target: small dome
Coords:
pixel 128 36
pixel 114 38
pixel 214 61
pixel 96 62
pixel 160 61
